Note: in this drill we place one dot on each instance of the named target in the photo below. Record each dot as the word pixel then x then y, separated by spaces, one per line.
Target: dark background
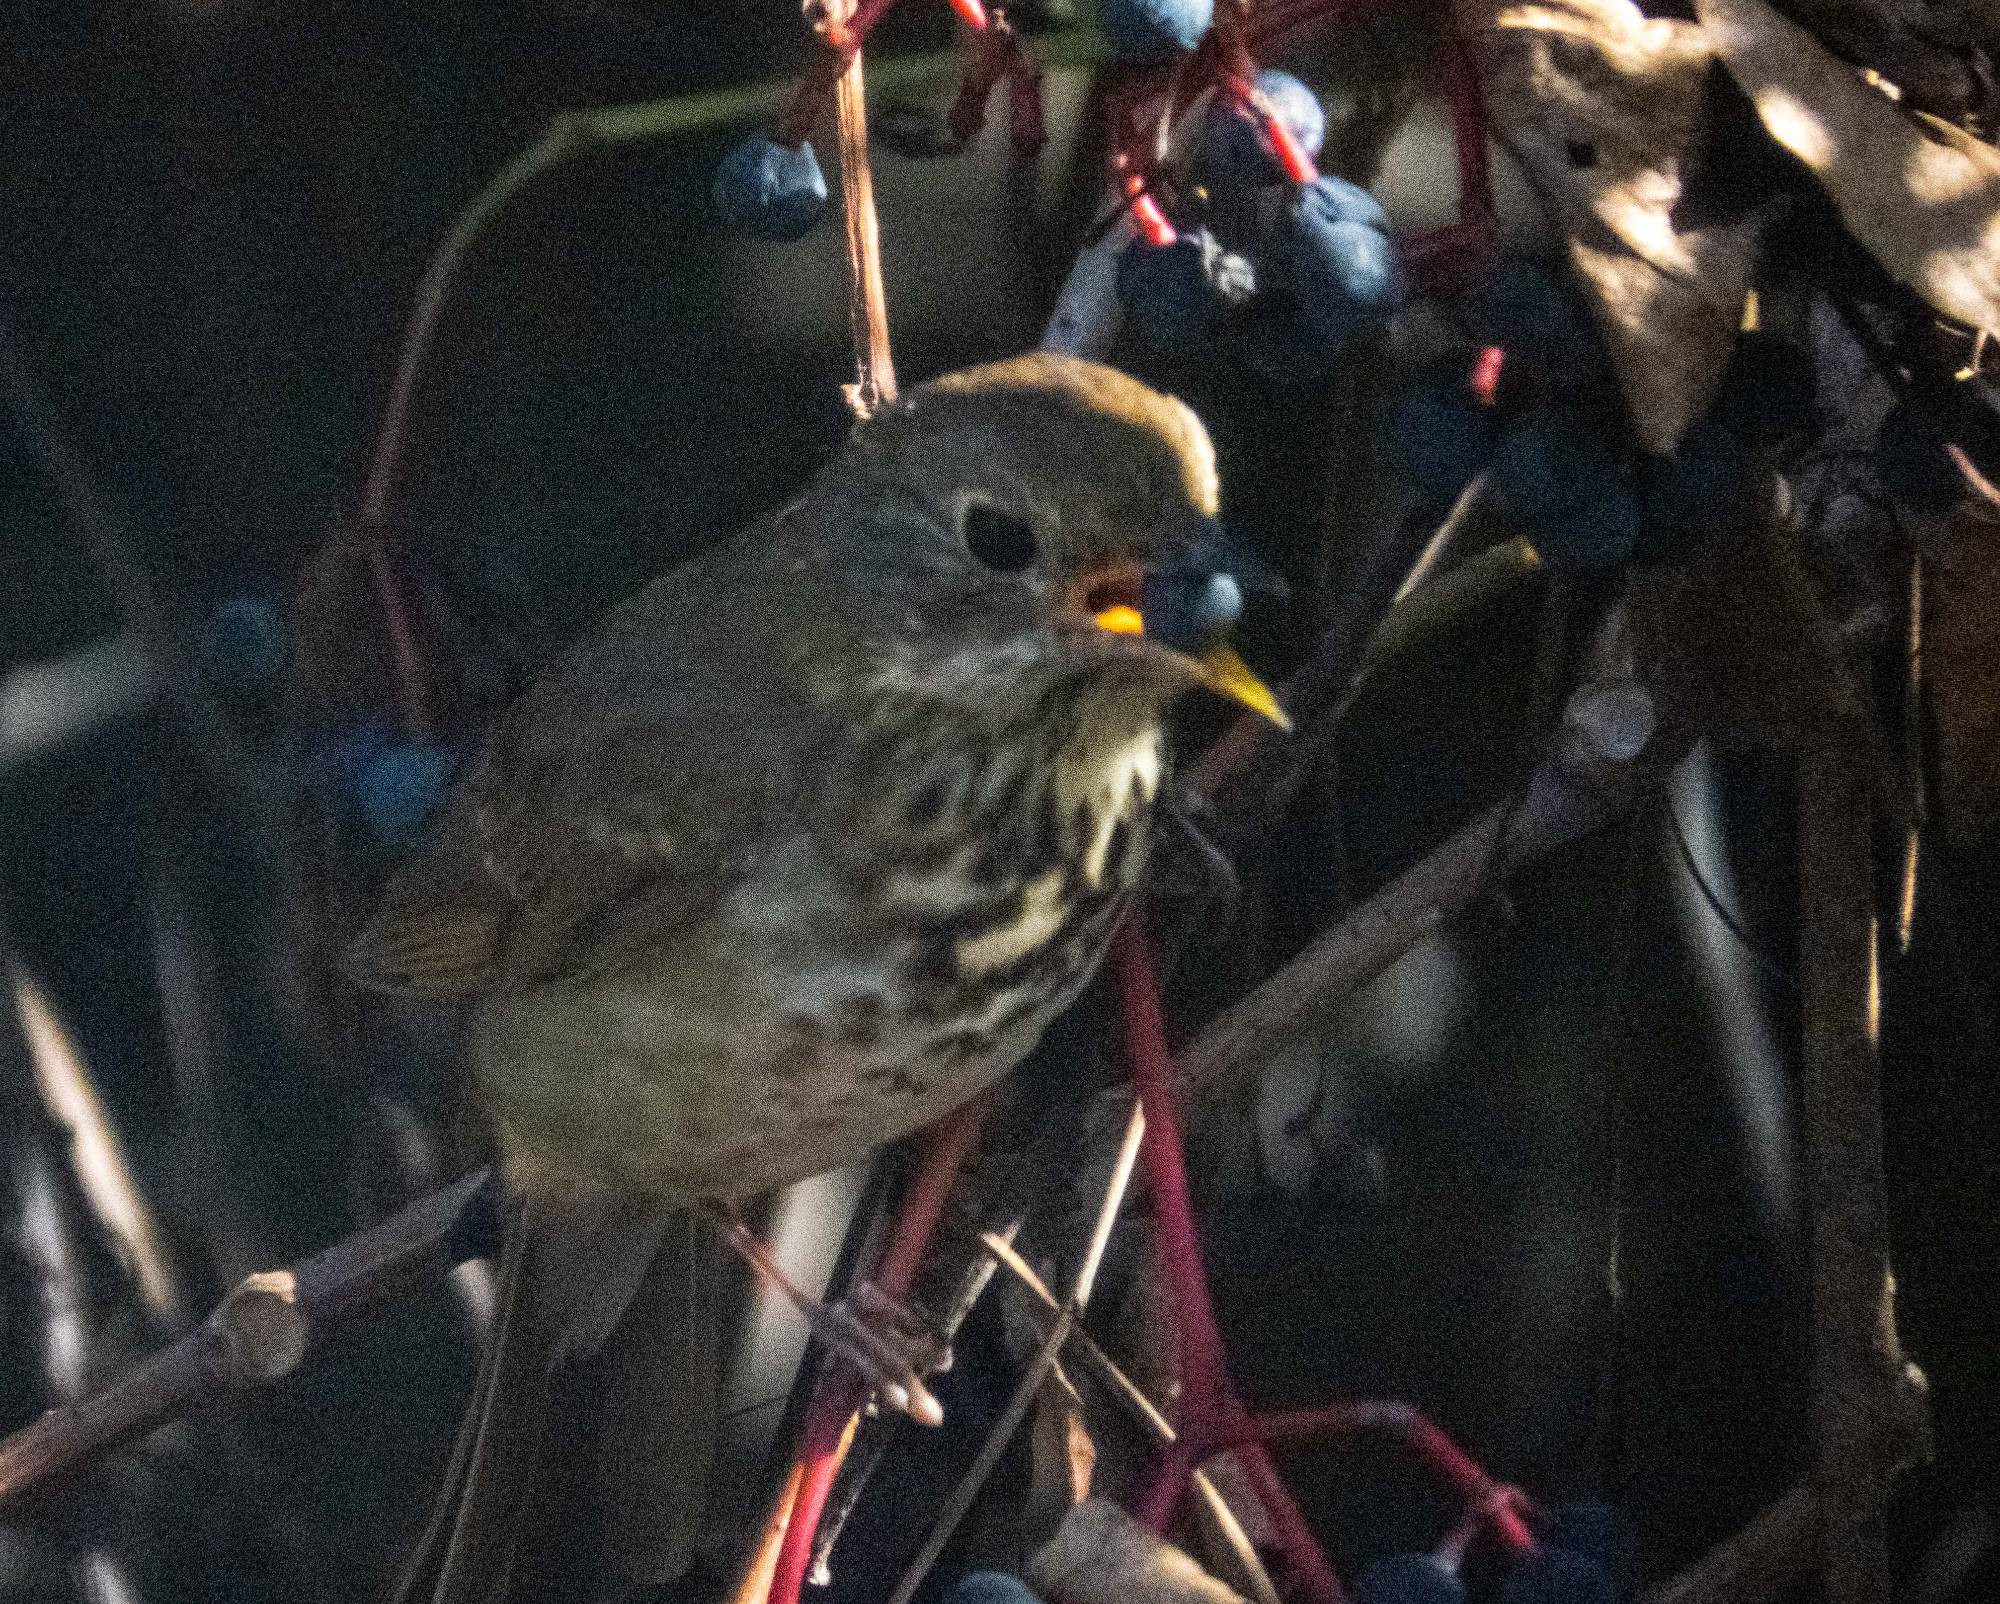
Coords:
pixel 212 223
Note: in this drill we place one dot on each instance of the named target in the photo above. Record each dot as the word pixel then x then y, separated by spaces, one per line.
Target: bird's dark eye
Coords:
pixel 998 539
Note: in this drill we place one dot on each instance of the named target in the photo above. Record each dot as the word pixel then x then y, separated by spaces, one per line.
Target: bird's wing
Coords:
pixel 620 798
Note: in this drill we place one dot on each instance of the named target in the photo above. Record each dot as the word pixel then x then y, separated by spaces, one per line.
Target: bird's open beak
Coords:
pixel 1189 607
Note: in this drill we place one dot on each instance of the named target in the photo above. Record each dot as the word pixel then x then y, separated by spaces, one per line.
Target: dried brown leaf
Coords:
pixel 1922 196
pixel 1101 1555
pixel 1062 1457
pixel 1603 108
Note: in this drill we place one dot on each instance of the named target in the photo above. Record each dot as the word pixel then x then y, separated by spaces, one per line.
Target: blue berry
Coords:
pixel 244 644
pixel 990 1587
pixel 1558 1576
pixel 770 191
pixel 1218 605
pixel 1176 295
pixel 1340 267
pixel 400 789
pixel 348 755
pixel 1146 32
pixel 1334 200
pixel 1234 145
pixel 1439 435
pixel 1185 609
pixel 1558 473
pixel 1409 1579
pixel 1521 307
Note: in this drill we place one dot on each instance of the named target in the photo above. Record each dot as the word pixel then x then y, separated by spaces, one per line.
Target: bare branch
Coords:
pixel 1128 1392
pixel 1591 776
pixel 1031 1379
pixel 255 1336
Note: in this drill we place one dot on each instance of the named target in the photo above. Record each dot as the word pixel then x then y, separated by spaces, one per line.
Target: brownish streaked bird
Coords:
pixel 808 842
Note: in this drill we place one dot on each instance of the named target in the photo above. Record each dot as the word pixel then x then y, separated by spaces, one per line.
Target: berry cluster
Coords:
pixel 1532 403
pixel 365 774
pixel 1254 251
pixel 1278 264
pixel 770 185
pixel 1240 246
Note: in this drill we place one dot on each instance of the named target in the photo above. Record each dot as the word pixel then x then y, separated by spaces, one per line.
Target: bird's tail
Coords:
pixel 566 1280
pixel 466 1546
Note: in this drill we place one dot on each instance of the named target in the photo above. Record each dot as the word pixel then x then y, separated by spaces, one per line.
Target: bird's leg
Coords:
pixel 871 1330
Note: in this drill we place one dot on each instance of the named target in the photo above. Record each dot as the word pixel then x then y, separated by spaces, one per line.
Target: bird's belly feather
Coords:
pixel 789 1034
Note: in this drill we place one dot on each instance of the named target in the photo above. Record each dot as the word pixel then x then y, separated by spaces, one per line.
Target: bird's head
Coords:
pixel 1050 514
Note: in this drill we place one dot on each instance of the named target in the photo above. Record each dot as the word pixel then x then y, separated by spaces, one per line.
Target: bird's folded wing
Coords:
pixel 617 801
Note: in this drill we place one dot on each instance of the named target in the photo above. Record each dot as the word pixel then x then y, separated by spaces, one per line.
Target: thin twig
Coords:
pixel 1133 1397
pixel 1579 787
pixel 94 1148
pixel 1029 1386
pixel 867 302
pixel 829 1427
pixel 255 1336
pixel 1913 757
pixel 1393 570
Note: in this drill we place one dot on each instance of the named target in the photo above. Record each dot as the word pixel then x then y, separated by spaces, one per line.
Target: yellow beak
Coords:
pixel 1223 672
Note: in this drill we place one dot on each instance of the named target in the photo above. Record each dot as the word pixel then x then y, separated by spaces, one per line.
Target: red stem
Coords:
pixel 836 1397
pixel 947 1146
pixel 838 41
pixel 995 57
pixel 1486 370
pixel 1204 1376
pixel 405 658
pixel 1213 1417
pixel 1026 125
pixel 1459 83
pixel 1296 164
pixel 1209 1398
pixel 839 1391
pixel 1147 216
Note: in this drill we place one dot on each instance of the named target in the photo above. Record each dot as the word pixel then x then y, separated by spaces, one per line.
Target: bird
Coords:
pixel 806 842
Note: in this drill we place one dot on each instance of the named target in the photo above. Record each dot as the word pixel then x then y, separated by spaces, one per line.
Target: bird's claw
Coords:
pixel 886 1342
pixel 888 1346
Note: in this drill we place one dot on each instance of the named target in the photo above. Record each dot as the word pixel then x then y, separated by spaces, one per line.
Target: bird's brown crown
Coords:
pixel 1102 468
